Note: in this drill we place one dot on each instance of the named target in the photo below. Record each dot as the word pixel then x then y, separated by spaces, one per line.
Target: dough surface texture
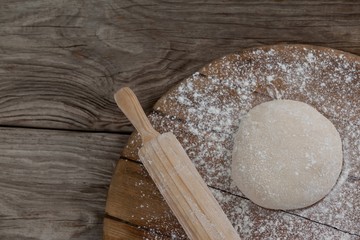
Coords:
pixel 286 155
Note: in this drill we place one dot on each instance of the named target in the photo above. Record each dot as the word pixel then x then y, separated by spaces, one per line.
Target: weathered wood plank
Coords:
pixel 53 184
pixel 60 63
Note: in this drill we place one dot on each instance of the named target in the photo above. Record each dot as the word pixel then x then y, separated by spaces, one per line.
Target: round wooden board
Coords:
pixel 204 111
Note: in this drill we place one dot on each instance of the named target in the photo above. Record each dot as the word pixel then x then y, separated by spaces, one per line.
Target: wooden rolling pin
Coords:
pixel 176 177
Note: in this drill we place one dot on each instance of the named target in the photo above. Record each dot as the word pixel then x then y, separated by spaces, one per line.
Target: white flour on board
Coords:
pixel 204 112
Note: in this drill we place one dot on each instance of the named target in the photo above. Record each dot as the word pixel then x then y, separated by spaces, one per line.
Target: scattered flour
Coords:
pixel 204 112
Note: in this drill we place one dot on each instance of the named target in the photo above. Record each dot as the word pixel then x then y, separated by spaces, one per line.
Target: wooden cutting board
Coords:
pixel 204 111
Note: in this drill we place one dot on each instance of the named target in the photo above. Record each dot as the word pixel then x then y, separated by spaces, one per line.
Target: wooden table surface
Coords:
pixel 61 61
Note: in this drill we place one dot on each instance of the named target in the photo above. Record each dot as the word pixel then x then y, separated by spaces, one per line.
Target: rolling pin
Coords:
pixel 176 177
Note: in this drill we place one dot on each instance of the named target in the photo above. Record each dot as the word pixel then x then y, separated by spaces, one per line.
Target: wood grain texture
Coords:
pixel 61 62
pixel 53 184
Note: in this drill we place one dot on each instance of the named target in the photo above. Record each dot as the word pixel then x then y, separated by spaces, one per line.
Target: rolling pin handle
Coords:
pixel 130 106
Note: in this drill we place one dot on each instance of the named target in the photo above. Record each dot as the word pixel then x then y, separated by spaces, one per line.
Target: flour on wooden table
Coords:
pixel 204 112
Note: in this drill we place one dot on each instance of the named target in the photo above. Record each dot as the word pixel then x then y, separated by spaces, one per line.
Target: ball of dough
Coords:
pixel 286 155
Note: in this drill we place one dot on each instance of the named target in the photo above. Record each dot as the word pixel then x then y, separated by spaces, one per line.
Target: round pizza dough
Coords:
pixel 286 155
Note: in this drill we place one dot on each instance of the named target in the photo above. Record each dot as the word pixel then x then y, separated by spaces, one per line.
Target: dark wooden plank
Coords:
pixel 53 184
pixel 60 63
pixel 134 198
